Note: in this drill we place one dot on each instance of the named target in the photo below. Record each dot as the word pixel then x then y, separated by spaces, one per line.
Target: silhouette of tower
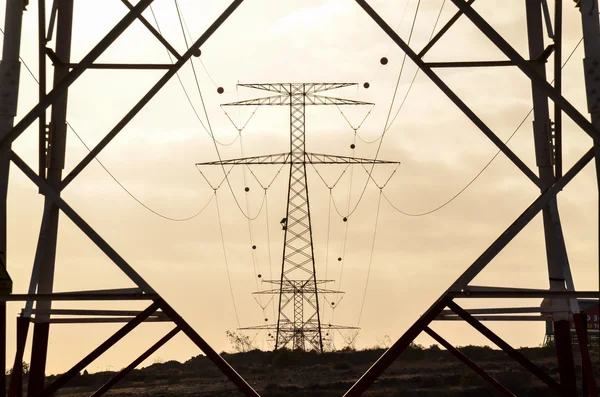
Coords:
pixel 298 322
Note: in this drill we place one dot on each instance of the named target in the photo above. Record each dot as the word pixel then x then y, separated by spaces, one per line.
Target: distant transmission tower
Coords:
pixel 298 320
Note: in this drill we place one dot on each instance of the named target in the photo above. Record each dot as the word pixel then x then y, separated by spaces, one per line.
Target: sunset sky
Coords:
pixel 414 259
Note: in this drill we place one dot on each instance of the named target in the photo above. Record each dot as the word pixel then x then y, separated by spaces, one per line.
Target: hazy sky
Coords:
pixel 415 258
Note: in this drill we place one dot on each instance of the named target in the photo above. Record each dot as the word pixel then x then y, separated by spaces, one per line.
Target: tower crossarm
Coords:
pixel 279 158
pixel 273 327
pixel 318 158
pixel 327 100
pixel 284 88
pixel 284 100
pixel 285 158
pixel 290 290
pixel 275 100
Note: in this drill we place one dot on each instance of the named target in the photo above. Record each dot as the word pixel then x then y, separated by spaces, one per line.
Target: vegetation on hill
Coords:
pixel 430 372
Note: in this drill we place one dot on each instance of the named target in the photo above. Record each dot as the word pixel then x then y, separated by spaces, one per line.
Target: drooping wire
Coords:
pixel 200 59
pixel 240 129
pixel 250 230
pixel 327 244
pixel 347 222
pixel 187 95
pixel 389 48
pixel 412 82
pixel 385 129
pixel 114 178
pixel 464 188
pixel 362 305
pixel 226 261
pixel 184 219
pixel 211 133
pixel 355 129
pixel 269 246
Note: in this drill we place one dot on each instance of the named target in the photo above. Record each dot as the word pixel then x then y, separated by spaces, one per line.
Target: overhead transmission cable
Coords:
pixel 390 45
pixel 385 129
pixel 485 167
pixel 226 260
pixel 114 178
pixel 210 130
pixel 362 305
pixel 187 95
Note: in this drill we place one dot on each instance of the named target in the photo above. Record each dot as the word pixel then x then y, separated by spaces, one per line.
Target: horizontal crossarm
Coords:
pixel 273 327
pixel 285 158
pixel 284 100
pixel 327 100
pixel 317 158
pixel 280 158
pixel 284 88
pixel 290 290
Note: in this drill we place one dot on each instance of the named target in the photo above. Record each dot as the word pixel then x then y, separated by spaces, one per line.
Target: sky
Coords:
pixel 412 259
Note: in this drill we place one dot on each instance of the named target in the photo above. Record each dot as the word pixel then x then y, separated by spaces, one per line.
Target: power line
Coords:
pixel 226 261
pixel 461 191
pixel 385 129
pixel 185 90
pixel 211 133
pixel 114 178
pixel 410 86
pixel 362 305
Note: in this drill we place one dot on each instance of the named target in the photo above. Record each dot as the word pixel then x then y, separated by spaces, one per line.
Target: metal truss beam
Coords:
pixel 285 158
pixel 449 93
pixel 284 88
pixel 151 93
pixel 66 82
pixel 284 100
pixel 476 368
pixel 522 64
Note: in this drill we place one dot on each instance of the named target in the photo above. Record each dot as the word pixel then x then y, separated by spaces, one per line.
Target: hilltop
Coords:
pixel 418 372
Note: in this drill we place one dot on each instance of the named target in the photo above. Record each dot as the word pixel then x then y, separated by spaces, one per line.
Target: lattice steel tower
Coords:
pixel 298 321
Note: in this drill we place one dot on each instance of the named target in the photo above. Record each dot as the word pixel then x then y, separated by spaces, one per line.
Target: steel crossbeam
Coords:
pixel 303 292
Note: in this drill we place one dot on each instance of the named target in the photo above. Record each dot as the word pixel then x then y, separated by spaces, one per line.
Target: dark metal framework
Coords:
pixel 298 320
pixel 550 179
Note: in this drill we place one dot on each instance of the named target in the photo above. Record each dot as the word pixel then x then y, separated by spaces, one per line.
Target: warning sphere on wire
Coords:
pixel 339 259
pixel 266 319
pixel 353 146
pixel 366 85
pixel 259 275
pixel 197 52
pixel 220 90
pixel 345 219
pixel 247 189
pixel 384 61
pixel 254 247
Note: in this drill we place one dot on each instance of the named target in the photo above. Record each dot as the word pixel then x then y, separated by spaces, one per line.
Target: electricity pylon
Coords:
pixel 298 320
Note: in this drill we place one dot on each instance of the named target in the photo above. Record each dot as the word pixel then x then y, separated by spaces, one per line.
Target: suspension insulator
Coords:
pixel 384 61
pixel 220 90
pixel 345 219
pixel 332 303
pixel 366 85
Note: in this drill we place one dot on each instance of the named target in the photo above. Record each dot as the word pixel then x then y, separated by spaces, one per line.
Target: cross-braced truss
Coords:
pixel 50 183
pixel 298 320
